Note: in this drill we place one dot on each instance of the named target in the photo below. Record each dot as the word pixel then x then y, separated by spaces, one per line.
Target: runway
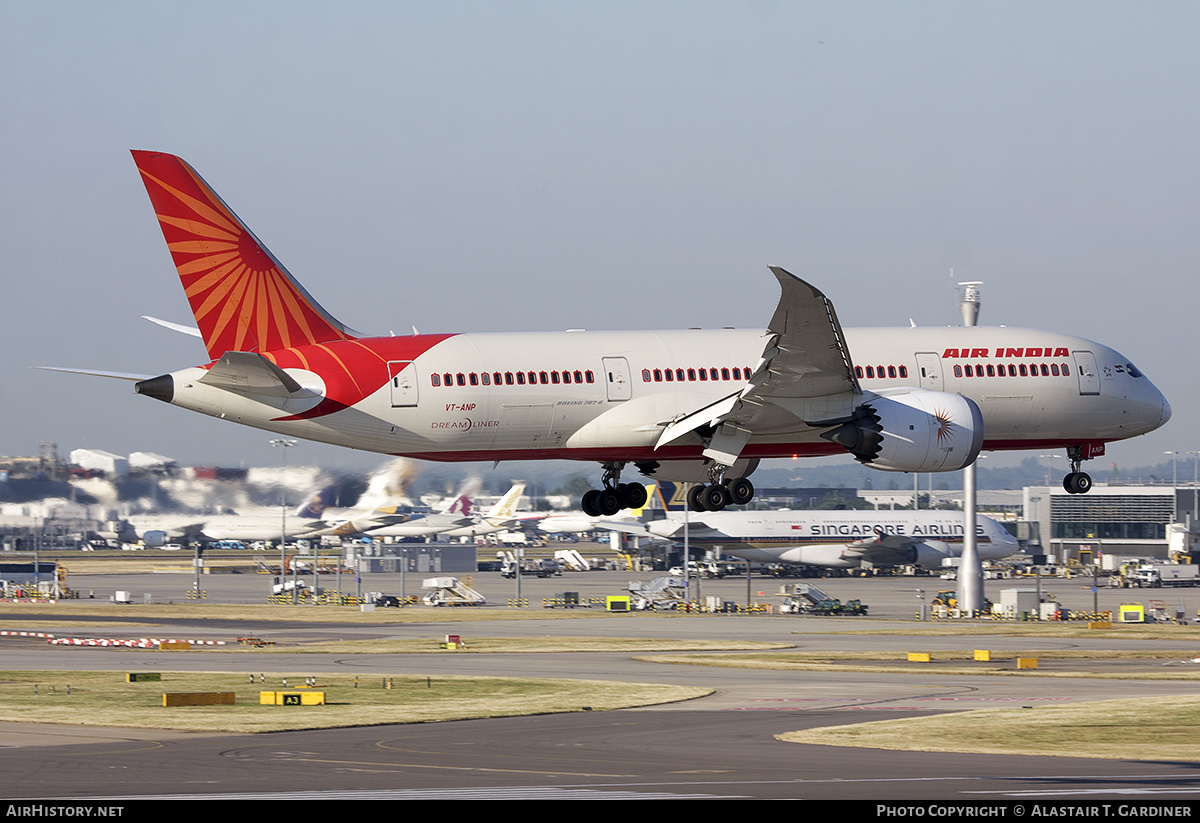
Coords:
pixel 613 755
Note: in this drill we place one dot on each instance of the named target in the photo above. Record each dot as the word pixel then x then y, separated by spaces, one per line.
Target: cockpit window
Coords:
pixel 1133 370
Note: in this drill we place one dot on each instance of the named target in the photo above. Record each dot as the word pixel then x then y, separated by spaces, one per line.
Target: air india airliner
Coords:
pixel 701 406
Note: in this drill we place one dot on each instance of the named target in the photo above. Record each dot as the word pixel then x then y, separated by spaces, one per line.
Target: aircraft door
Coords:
pixel 404 383
pixel 1089 375
pixel 929 370
pixel 616 378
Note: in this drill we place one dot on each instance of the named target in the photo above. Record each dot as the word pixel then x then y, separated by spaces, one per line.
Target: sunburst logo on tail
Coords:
pixel 241 297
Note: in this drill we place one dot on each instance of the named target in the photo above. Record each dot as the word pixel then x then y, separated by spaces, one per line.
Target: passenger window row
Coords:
pixel 706 375
pixel 508 378
pixel 1013 370
pixel 887 372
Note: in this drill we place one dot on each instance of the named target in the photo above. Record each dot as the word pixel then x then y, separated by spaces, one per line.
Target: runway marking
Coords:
pixel 499 793
pixel 1075 792
pixel 394 766
pixel 847 704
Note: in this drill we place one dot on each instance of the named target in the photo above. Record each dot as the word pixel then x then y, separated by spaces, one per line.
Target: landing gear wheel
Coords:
pixel 715 497
pixel 693 499
pixel 608 501
pixel 589 503
pixel 741 491
pixel 1077 483
pixel 633 495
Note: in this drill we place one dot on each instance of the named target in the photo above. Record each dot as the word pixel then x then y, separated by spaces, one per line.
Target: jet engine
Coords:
pixel 930 554
pixel 833 557
pixel 155 539
pixel 912 430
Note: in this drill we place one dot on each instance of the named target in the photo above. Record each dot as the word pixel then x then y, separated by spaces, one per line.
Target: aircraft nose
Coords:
pixel 1166 411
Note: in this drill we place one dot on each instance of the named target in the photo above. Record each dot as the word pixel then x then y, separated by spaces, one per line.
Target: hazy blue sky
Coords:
pixel 471 166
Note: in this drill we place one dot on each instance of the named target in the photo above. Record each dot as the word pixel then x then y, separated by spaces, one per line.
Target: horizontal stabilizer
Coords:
pixel 119 375
pixel 249 373
pixel 191 331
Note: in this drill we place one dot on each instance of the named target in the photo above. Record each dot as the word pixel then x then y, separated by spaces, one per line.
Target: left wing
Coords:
pixel 804 371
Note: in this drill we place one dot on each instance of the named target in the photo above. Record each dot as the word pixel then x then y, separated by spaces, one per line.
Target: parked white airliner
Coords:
pixel 839 539
pixel 699 406
pixel 455 522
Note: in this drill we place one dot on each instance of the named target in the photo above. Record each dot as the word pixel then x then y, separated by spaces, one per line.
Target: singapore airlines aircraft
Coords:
pixel 840 539
pixel 697 406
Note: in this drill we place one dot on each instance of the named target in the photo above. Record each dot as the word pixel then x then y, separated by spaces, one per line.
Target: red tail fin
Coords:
pixel 242 297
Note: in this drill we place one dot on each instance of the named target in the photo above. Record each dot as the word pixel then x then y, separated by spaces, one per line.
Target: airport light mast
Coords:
pixel 284 444
pixel 970 568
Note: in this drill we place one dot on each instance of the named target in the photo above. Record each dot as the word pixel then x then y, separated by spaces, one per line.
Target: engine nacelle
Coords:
pixel 155 539
pixel 828 556
pixel 913 430
pixel 928 554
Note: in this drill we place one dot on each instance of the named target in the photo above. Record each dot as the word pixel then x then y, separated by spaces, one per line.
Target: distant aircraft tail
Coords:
pixel 461 504
pixel 242 297
pixel 671 495
pixel 506 506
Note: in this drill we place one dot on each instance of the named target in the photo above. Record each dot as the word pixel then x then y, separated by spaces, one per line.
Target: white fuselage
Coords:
pixel 839 539
pixel 606 396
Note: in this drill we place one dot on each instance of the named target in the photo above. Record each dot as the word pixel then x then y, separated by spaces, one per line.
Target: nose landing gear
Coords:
pixel 1077 482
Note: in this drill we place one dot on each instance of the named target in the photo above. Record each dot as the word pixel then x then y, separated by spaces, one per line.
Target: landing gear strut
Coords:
pixel 615 495
pixel 1076 482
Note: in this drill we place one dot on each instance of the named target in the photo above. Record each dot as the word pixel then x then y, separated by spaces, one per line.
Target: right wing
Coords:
pixel 804 373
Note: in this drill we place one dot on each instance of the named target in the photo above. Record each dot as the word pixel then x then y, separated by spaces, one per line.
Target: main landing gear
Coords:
pixel 720 493
pixel 1076 482
pixel 615 495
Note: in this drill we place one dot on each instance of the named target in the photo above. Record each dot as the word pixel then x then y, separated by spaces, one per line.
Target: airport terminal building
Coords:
pixel 1116 520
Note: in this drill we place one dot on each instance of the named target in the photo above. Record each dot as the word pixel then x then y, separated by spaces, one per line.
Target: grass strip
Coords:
pixel 1159 664
pixel 105 699
pixel 1152 728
